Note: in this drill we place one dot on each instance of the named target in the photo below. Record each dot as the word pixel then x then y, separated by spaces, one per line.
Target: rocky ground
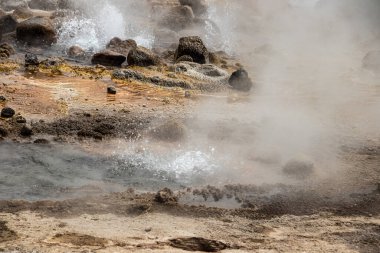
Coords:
pixel 131 93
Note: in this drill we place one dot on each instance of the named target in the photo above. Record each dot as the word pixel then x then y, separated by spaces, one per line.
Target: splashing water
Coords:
pixel 97 25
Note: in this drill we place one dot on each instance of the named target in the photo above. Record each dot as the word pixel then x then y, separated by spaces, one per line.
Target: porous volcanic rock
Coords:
pixel 8 23
pixel 36 31
pixel 142 57
pixel 192 46
pixel 121 46
pixel 108 58
pixel 240 80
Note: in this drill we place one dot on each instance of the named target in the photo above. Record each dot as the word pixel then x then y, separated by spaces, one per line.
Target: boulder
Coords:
pixel 165 196
pixel 199 6
pixel 170 131
pixel 26 131
pixel 6 50
pixel 36 31
pixel 108 58
pixel 372 61
pixel 8 23
pixel 7 112
pixel 177 18
pixel 31 60
pixel 76 52
pixel 10 5
pixel 187 58
pixel 192 46
pixel 240 80
pixel 111 90
pixel 121 46
pixel 47 5
pixel 143 57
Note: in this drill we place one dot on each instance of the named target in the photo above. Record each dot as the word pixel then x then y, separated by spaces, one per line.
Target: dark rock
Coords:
pixel 111 90
pixel 36 31
pixel 198 244
pixel 26 131
pixel 20 119
pixel 169 131
pixel 187 58
pixel 127 74
pixel 104 128
pixel 6 50
pixel 142 57
pixel 298 168
pixel 41 141
pixel 199 6
pixel 177 18
pixel 108 58
pixel 240 80
pixel 8 24
pixel 2 99
pixel 31 60
pixel 165 196
pixel 76 52
pixel 372 61
pixel 90 134
pixel 7 112
pixel 121 46
pixel 194 47
pixel 3 132
pixel 47 5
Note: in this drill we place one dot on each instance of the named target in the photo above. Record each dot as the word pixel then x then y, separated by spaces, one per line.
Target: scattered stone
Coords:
pixel 7 112
pixel 41 141
pixel 6 234
pixel 372 61
pixel 187 58
pixel 187 94
pixel 240 80
pixel 36 31
pixel 8 23
pixel 26 131
pixel 199 6
pixel 20 119
pixel 2 99
pixel 31 60
pixel 165 196
pixel 111 90
pixel 142 57
pixel 194 47
pixel 3 132
pixel 76 52
pixel 121 46
pixel 124 74
pixel 298 168
pixel 108 58
pixel 6 50
pixel 148 230
pixel 170 131
pixel 198 244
